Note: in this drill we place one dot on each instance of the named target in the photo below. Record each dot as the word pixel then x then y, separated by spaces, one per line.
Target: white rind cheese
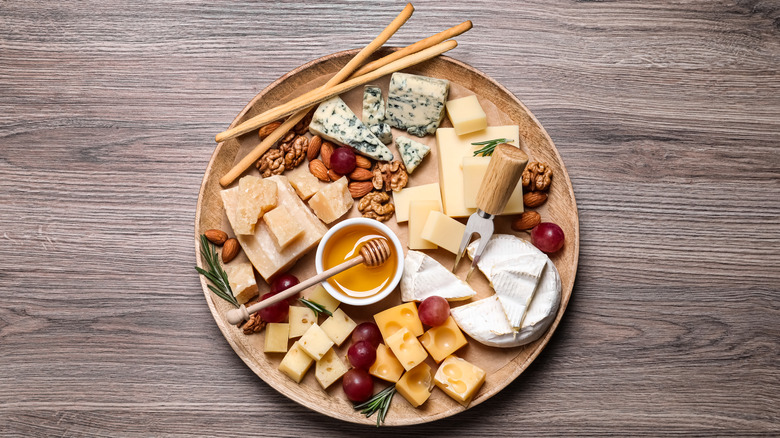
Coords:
pixel 416 103
pixel 373 106
pixel 484 320
pixel 334 121
pixel 425 277
pixel 412 152
pixel 382 132
pixel 514 281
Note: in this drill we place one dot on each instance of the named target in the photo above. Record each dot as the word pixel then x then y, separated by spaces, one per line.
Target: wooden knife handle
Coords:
pixel 504 171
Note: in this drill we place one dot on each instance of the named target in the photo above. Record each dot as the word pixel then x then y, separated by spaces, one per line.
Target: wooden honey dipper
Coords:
pixel 373 253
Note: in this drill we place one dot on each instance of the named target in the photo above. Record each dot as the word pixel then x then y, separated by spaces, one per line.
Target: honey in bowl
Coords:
pixel 359 281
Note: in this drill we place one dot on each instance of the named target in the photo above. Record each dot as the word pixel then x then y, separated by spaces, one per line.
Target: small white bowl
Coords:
pixel 399 255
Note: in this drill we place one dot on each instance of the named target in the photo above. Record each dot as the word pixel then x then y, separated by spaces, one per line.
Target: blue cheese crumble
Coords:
pixel 412 152
pixel 373 106
pixel 382 132
pixel 416 103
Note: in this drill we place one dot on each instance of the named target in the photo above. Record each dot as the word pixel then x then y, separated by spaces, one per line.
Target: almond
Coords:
pixel 363 162
pixel 230 250
pixel 361 174
pixel 217 237
pixel 358 189
pixel 266 130
pixel 534 199
pixel 318 169
pixel 326 150
pixel 333 175
pixel 314 148
pixel 526 221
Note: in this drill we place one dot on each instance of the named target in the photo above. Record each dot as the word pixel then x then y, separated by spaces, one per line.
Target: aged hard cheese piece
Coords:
pixel 283 226
pixel 241 277
pixel 276 336
pixel 474 170
pixel 373 105
pixel 418 215
pixel 261 248
pixel 301 318
pixel 443 340
pixel 382 132
pixel 304 183
pixel 466 115
pixel 416 103
pixel 406 348
pixel 320 296
pixel 415 386
pixel 333 201
pixel 329 369
pixel 402 199
pixel 412 152
pixel 393 319
pixel 255 197
pixel 424 277
pixel 315 342
pixel 459 379
pixel 443 231
pixel 386 366
pixel 338 327
pixel 514 281
pixel 334 121
pixel 451 150
pixel 295 363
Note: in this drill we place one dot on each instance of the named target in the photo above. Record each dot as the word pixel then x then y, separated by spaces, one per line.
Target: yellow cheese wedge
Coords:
pixel 320 296
pixel 393 319
pixel 276 336
pixel 283 226
pixel 315 342
pixel 474 170
pixel 402 199
pixel 301 318
pixel 255 197
pixel 443 231
pixel 443 340
pixel 406 348
pixel 466 115
pixel 241 277
pixel 338 327
pixel 332 201
pixel 386 366
pixel 295 363
pixel 329 369
pixel 304 183
pixel 418 215
pixel 415 386
pixel 459 379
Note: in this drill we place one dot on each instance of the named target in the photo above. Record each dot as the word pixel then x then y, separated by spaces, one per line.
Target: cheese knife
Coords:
pixel 503 172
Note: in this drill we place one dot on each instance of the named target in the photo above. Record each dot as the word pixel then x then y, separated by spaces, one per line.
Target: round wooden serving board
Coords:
pixel 501 365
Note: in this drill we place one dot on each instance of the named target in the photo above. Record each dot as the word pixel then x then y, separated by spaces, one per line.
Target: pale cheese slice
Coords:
pixel 515 281
pixel 255 197
pixel 484 320
pixel 424 277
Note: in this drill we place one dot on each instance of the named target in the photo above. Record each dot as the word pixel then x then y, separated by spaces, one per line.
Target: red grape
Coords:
pixel 367 331
pixel 358 385
pixel 283 282
pixel 548 237
pixel 343 161
pixel 434 311
pixel 276 312
pixel 362 355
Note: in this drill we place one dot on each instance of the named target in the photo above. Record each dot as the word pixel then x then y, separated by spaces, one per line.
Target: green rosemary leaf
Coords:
pixel 315 306
pixel 378 404
pixel 488 146
pixel 215 273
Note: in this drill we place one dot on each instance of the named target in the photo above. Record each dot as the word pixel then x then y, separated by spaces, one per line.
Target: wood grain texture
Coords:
pixel 666 116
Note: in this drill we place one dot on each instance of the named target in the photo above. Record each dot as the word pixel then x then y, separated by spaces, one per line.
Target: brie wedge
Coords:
pixel 485 321
pixel 514 281
pixel 424 277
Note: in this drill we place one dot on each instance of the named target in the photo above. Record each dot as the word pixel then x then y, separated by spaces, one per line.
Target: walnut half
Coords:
pixel 536 177
pixel 390 176
pixel 376 205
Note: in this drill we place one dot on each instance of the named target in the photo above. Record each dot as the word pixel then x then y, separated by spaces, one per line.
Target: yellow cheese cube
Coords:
pixel 295 363
pixel 241 277
pixel 301 318
pixel 283 226
pixel 276 336
pixel 406 348
pixel 415 386
pixel 451 150
pixel 324 299
pixel 474 170
pixel 315 342
pixel 459 379
pixel 402 199
pixel 304 183
pixel 338 327
pixel 255 197
pixel 386 366
pixel 443 231
pixel 393 319
pixel 418 215
pixel 443 340
pixel 466 115
pixel 332 201
pixel 329 369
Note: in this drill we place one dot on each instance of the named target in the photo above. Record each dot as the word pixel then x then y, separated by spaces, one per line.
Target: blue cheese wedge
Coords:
pixel 412 152
pixel 334 121
pixel 382 132
pixel 373 106
pixel 416 103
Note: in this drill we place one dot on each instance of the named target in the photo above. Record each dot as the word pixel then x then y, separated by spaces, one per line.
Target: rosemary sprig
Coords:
pixel 315 306
pixel 488 146
pixel 379 403
pixel 215 274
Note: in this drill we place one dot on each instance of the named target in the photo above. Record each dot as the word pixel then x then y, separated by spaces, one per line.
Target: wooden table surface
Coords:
pixel 667 115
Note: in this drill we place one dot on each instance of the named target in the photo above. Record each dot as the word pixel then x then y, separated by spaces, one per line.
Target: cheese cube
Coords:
pixel 241 277
pixel 255 197
pixel 443 231
pixel 418 215
pixel 402 199
pixel 324 299
pixel 474 170
pixel 276 336
pixel 304 183
pixel 283 226
pixel 301 318
pixel 459 379
pixel 338 327
pixel 451 150
pixel 412 152
pixel 315 342
pixel 415 386
pixel 393 319
pixel 406 348
pixel 466 115
pixel 441 341
pixel 416 103
pixel 333 201
pixel 386 366
pixel 329 369
pixel 295 363
pixel 261 248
